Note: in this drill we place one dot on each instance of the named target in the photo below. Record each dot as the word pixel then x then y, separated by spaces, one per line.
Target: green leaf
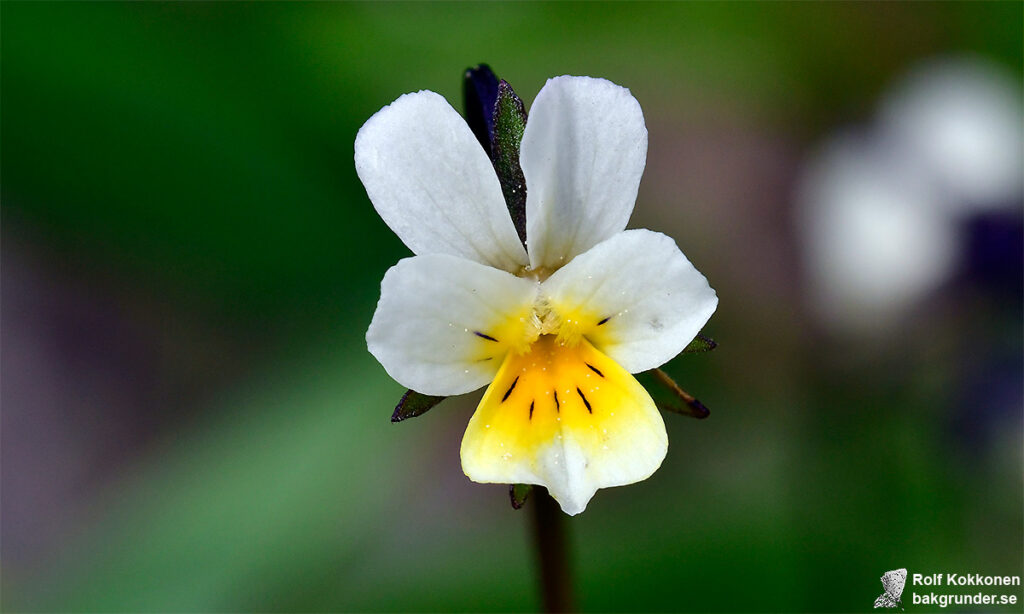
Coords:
pixel 414 404
pixel 509 124
pixel 700 344
pixel 518 493
pixel 668 396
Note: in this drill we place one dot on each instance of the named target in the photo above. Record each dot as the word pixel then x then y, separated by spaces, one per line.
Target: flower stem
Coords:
pixel 552 552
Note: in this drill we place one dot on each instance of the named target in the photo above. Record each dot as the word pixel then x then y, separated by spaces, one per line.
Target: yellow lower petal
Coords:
pixel 567 417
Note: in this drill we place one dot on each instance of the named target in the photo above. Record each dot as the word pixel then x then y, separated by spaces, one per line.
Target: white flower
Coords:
pixel 960 122
pixel 880 211
pixel 555 329
pixel 874 239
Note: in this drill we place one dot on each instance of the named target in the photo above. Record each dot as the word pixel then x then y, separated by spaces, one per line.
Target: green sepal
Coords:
pixel 518 493
pixel 509 124
pixel 414 404
pixel 668 396
pixel 700 344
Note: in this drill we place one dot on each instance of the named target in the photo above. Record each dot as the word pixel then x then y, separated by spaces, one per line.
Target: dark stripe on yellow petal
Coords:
pixel 585 401
pixel 510 389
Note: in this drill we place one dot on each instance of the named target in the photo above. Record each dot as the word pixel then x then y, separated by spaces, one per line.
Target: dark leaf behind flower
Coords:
pixel 414 404
pixel 509 125
pixel 518 493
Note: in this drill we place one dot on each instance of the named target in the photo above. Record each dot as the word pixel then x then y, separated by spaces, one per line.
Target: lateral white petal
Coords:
pixel 583 152
pixel 635 297
pixel 444 324
pixel 432 183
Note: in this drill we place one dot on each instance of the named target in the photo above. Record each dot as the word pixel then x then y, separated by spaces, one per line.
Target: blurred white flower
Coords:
pixel 873 239
pixel 879 210
pixel 960 121
pixel 555 329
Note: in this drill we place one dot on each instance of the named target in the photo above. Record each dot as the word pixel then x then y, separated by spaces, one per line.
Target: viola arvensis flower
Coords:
pixel 556 327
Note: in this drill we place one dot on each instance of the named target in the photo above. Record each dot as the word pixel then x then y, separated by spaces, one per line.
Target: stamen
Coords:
pixel 585 401
pixel 510 389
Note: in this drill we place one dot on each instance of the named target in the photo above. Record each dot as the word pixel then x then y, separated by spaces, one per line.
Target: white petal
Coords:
pixel 582 154
pixel 433 184
pixel 444 324
pixel 566 417
pixel 635 296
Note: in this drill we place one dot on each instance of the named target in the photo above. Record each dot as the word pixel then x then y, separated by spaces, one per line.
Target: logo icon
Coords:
pixel 892 582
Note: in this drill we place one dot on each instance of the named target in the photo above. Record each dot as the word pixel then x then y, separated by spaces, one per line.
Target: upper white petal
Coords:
pixel 654 300
pixel 583 152
pixel 433 184
pixel 431 308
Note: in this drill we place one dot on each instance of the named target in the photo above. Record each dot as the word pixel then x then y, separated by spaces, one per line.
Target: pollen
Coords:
pixel 567 326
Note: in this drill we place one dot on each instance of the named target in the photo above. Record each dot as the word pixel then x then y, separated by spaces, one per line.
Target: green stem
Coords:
pixel 552 552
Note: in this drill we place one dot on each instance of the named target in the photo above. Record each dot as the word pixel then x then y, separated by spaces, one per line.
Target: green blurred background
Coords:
pixel 191 421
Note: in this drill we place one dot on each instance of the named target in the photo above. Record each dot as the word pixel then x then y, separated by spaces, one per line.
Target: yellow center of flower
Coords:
pixel 561 407
pixel 519 333
pixel 554 384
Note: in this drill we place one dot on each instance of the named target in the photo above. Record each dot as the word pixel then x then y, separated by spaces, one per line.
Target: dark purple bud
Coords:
pixel 479 93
